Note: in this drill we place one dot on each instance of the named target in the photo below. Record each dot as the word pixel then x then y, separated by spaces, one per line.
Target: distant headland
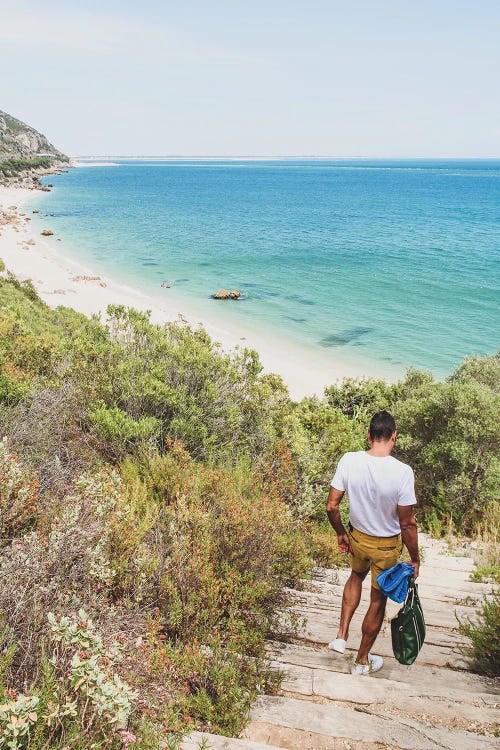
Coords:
pixel 26 155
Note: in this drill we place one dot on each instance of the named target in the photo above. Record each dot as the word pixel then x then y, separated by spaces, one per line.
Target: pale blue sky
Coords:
pixel 281 77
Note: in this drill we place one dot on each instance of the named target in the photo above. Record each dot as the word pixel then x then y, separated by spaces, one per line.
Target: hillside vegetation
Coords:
pixel 23 150
pixel 157 496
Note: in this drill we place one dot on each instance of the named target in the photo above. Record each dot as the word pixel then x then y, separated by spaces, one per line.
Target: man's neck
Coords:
pixel 380 448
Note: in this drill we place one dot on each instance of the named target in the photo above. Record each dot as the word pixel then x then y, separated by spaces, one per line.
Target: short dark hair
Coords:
pixel 382 426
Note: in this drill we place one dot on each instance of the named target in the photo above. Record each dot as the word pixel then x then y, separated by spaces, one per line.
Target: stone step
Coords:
pixel 424 679
pixel 360 725
pixel 431 590
pixel 326 623
pixel 390 695
pixel 467 594
pixel 342 686
pixel 299 739
pixel 205 741
pixel 433 586
pixel 437 614
pixel 442 623
pixel 440 649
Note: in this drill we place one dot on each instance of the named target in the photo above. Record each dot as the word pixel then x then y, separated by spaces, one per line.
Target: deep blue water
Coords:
pixel 394 262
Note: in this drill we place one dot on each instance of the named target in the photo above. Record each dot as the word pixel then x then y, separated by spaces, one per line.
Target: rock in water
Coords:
pixel 226 294
pixel 47 232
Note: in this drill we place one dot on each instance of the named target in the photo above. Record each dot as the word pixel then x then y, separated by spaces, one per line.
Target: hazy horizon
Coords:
pixel 269 157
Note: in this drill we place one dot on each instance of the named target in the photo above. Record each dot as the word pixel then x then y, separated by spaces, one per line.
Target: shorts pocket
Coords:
pixel 387 549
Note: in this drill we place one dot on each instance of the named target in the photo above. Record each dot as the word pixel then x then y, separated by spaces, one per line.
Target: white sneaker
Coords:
pixel 374 664
pixel 338 645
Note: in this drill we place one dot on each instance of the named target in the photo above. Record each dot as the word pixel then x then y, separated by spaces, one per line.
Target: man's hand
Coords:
pixel 344 543
pixel 416 568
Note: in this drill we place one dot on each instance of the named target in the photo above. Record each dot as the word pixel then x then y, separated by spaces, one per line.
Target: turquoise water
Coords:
pixel 392 262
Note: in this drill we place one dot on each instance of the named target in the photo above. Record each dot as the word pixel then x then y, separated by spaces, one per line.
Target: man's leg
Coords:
pixel 371 624
pixel 350 601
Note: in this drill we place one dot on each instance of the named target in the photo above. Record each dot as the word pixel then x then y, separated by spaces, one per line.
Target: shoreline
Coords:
pixel 61 280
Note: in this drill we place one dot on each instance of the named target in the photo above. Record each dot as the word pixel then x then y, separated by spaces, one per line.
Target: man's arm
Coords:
pixel 409 534
pixel 333 513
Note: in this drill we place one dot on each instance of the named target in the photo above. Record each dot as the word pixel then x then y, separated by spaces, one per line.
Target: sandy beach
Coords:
pixel 60 280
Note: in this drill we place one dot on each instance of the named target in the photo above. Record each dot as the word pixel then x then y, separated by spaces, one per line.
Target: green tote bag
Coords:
pixel 408 627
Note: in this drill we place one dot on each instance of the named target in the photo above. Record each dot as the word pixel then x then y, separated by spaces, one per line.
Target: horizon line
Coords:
pixel 263 157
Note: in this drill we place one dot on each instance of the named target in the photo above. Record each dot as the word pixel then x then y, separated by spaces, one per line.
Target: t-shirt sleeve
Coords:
pixel 407 489
pixel 339 478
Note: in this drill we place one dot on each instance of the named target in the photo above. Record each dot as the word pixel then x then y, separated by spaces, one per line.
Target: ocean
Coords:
pixel 387 263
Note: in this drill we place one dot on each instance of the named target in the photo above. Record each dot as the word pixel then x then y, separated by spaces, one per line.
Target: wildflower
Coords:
pixel 127 738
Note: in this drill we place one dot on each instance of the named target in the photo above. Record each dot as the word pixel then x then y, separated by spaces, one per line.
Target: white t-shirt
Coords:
pixel 376 485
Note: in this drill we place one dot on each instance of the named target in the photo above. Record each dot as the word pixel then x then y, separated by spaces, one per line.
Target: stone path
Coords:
pixel 433 705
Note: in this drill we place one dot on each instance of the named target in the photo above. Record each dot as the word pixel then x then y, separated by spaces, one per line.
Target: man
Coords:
pixel 381 499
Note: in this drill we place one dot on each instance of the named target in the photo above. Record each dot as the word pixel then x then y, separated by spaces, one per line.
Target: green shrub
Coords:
pixel 13 166
pixel 225 550
pixel 486 573
pixel 14 385
pixel 455 458
pixel 119 433
pixel 484 652
pixel 484 370
pixel 357 397
pixel 208 686
pixel 76 696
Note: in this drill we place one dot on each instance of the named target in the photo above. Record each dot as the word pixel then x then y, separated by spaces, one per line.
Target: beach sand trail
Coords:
pixel 434 705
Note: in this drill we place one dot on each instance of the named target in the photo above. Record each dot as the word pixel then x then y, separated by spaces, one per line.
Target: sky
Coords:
pixel 358 78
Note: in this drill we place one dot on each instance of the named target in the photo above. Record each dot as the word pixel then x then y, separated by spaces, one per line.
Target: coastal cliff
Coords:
pixel 25 154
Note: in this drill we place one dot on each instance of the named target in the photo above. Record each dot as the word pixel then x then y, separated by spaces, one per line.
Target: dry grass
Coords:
pixel 487 542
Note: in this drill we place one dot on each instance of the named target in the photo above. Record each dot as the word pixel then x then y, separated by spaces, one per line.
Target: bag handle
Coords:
pixel 411 591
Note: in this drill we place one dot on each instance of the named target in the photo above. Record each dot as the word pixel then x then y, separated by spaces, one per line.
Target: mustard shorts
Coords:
pixel 374 553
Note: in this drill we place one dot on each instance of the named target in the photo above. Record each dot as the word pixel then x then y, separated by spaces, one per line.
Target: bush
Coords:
pixel 18 495
pixel 484 370
pixel 484 653
pixel 63 564
pixel 208 686
pixel 357 397
pixel 119 433
pixel 216 403
pixel 206 547
pixel 77 699
pixel 224 550
pixel 47 429
pixel 455 458
pixel 299 466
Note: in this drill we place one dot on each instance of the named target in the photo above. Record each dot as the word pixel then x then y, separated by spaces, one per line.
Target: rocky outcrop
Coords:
pixel 24 142
pixel 226 294
pixel 25 154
